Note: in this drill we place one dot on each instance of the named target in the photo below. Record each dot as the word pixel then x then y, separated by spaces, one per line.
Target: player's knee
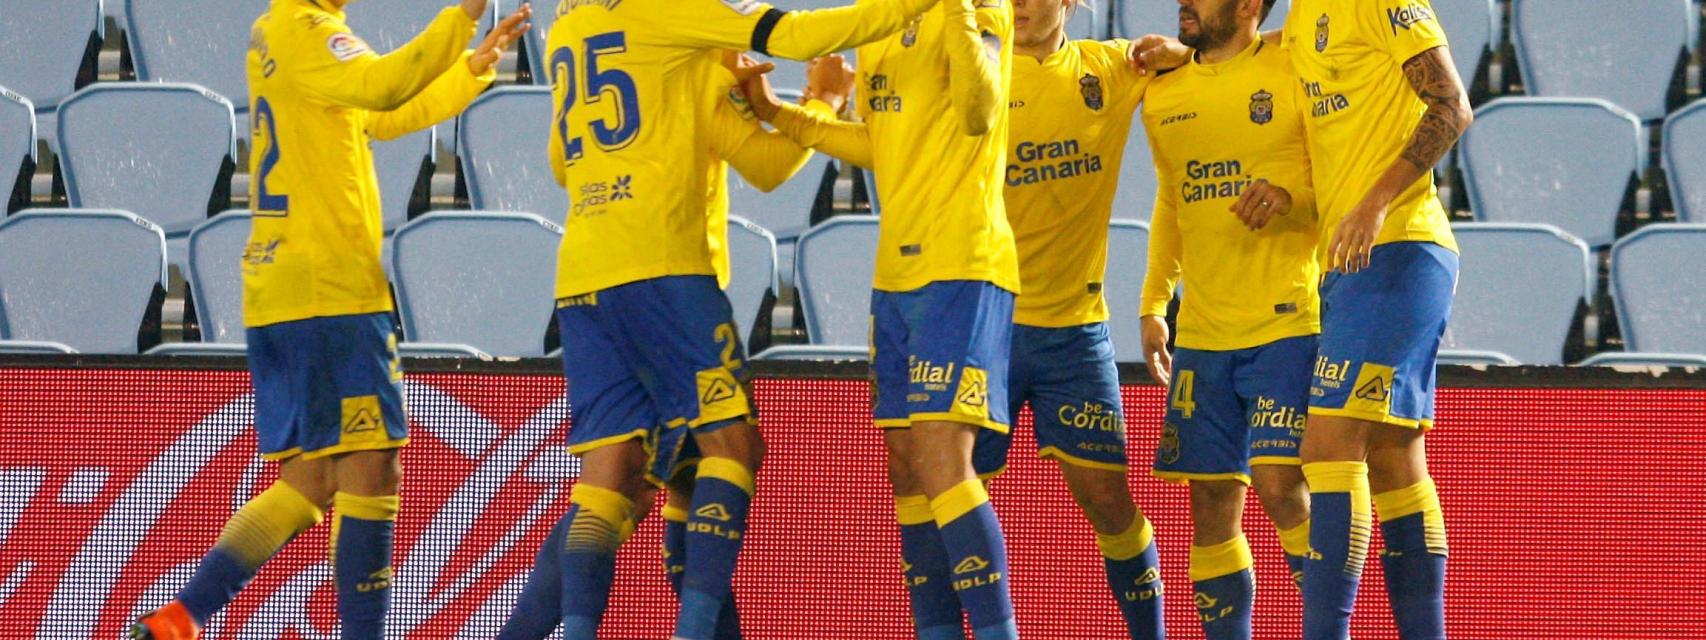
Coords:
pixel 1103 496
pixel 1217 508
pixel 741 442
pixel 370 473
pixel 900 473
pixel 1334 438
pixel 1283 493
pixel 311 478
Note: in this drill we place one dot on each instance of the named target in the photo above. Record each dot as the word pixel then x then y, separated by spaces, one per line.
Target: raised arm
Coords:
pixel 973 40
pixel 796 35
pixel 814 125
pixel 348 73
pixel 456 87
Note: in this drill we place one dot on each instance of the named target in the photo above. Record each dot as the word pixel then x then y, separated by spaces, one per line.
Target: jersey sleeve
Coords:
pixel 1403 28
pixel 765 158
pixel 1126 85
pixel 340 68
pixel 973 37
pixel 1161 275
pixel 796 35
pixel 815 127
pixel 440 101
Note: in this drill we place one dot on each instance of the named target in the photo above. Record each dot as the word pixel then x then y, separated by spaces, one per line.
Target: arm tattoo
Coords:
pixel 1430 74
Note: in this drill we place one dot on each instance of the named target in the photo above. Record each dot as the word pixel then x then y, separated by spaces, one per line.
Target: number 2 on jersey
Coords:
pixel 599 82
pixel 267 202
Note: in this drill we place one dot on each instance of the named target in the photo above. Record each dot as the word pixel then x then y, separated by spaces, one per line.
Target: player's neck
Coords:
pixel 1229 49
pixel 1042 51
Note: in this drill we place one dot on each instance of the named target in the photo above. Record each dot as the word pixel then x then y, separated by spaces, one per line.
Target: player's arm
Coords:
pixel 796 35
pixel 1160 278
pixel 346 72
pixel 769 158
pixel 972 38
pixel 814 125
pixel 455 88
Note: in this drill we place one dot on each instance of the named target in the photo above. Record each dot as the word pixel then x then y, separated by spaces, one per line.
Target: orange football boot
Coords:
pixel 171 622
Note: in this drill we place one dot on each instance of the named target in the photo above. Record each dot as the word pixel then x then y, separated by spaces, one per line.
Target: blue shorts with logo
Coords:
pixel 325 386
pixel 1067 374
pixel 1228 410
pixel 651 361
pixel 1380 335
pixel 939 353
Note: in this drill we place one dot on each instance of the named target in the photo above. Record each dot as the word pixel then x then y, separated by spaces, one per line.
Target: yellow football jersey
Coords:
pixel 1071 114
pixel 944 214
pixel 629 78
pixel 1349 55
pixel 318 95
pixel 1213 130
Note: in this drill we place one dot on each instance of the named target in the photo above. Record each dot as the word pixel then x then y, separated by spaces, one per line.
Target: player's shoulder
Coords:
pixel 1272 60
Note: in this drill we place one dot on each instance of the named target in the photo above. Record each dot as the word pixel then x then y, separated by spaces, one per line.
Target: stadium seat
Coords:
pixel 752 272
pixel 42 48
pixel 1136 18
pixel 43 347
pixel 398 164
pixel 1135 197
pixel 1518 290
pixel 1640 359
pixel 787 210
pixel 1656 276
pixel 215 275
pixel 199 349
pixel 834 266
pixel 480 278
pixel 1685 161
pixel 165 166
pixel 1472 27
pixel 1087 22
pixel 440 350
pixel 210 50
pixel 814 352
pixel 1122 286
pixel 1625 52
pixel 1464 357
pixel 17 148
pixel 79 277
pixel 1519 166
pixel 501 144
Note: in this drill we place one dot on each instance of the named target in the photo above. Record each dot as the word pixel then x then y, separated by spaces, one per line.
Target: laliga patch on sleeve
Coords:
pixel 346 47
pixel 743 7
pixel 742 106
pixel 992 45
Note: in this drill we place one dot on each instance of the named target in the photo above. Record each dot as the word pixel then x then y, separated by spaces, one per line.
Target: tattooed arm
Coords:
pixel 1434 78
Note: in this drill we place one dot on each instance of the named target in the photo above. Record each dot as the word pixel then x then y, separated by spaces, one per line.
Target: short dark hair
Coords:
pixel 1267 8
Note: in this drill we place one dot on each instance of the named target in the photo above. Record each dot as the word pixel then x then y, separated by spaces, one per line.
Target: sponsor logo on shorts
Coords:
pixel 721 396
pixel 361 414
pixel 934 377
pixel 1331 374
pixel 1269 413
pixel 1091 416
pixel 972 397
pixel 1373 390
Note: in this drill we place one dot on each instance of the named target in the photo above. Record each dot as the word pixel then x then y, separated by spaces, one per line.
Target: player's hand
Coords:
pixel 1261 201
pixel 508 31
pixel 475 9
pixel 1155 353
pixel 1156 53
pixel 829 79
pixel 1353 241
pixel 750 77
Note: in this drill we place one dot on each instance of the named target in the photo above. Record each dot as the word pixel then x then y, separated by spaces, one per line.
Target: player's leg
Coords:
pixel 1220 562
pixel 1285 499
pixel 960 336
pixel 936 612
pixel 675 507
pixel 1335 450
pixel 1413 527
pixel 1276 381
pixel 1079 423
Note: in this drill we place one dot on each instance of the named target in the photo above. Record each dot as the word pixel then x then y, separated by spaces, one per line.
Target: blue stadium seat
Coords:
pixel 398 165
pixel 42 347
pixel 163 166
pixel 1518 291
pixel 215 275
pixel 752 271
pixel 1685 161
pixel 1656 276
pixel 42 45
pixel 1122 286
pixel 533 43
pixel 1136 18
pixel 93 298
pixel 484 279
pixel 1643 359
pixel 834 266
pixel 501 144
pixel 17 145
pixel 210 49
pixel 440 350
pixel 388 24
pixel 1088 22
pixel 1625 52
pixel 787 210
pixel 1135 197
pixel 1519 166
pixel 1472 27
pixel 1467 357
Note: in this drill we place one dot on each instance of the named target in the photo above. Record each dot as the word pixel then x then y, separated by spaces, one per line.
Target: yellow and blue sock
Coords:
pixel 1134 574
pixel 362 530
pixel 978 556
pixel 1295 542
pixel 1225 588
pixel 597 521
pixel 540 607
pixel 675 565
pixel 716 527
pixel 1341 521
pixel 924 565
pixel 1414 528
pixel 251 537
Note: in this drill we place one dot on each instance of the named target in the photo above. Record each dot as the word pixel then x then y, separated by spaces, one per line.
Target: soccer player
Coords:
pixel 1072 104
pixel 1235 216
pixel 649 345
pixel 765 159
pixel 934 131
pixel 322 345
pixel 1385 104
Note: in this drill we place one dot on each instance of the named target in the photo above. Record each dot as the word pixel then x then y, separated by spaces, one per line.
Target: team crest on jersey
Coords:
pixel 1090 87
pixel 1261 107
pixel 345 46
pixel 910 36
pixel 743 7
pixel 1321 34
